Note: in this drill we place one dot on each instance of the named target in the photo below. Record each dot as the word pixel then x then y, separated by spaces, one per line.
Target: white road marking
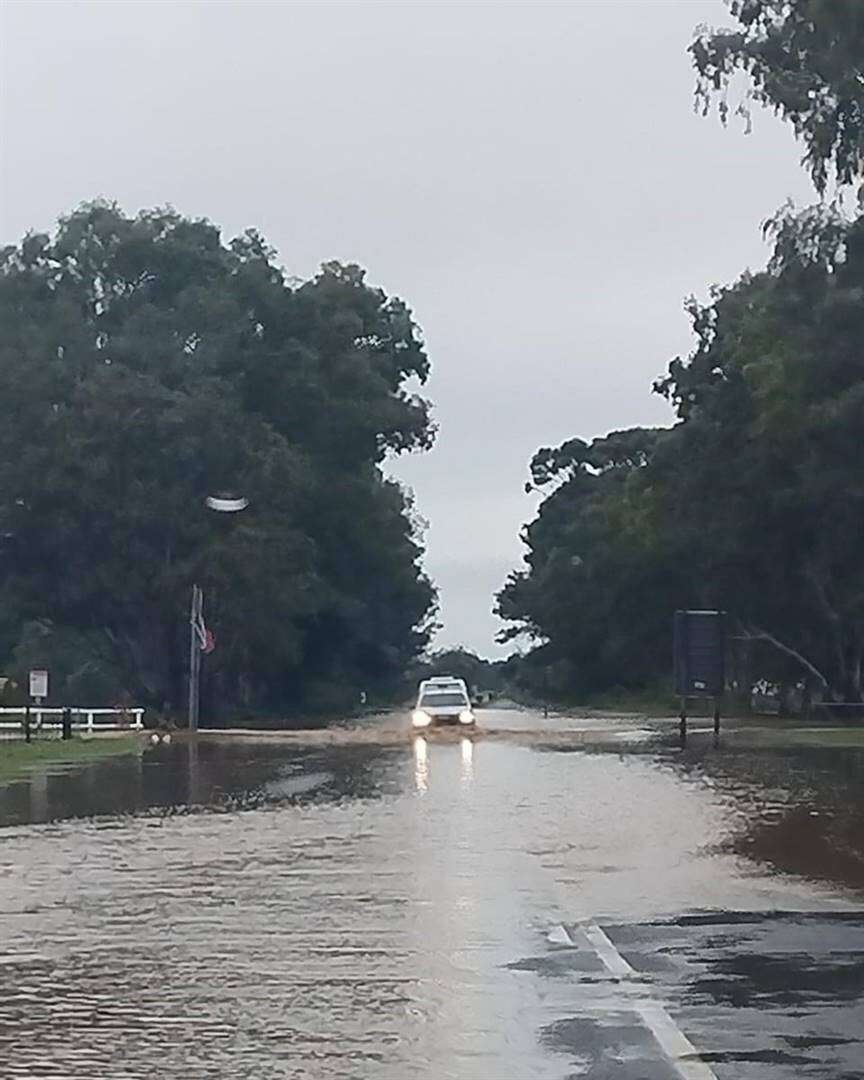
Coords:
pixel 613 961
pixel 682 1054
pixel 559 936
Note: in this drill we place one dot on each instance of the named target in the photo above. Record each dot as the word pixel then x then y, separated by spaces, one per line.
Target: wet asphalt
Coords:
pixel 553 898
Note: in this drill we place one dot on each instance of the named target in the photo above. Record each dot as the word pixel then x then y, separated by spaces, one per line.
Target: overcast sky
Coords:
pixel 530 177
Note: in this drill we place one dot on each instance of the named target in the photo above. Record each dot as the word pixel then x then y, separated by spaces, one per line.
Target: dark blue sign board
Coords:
pixel 700 653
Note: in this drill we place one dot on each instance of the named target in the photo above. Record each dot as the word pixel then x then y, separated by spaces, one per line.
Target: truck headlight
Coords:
pixel 466 717
pixel 420 718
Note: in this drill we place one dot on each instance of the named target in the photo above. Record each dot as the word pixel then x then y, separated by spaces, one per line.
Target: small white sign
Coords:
pixel 39 684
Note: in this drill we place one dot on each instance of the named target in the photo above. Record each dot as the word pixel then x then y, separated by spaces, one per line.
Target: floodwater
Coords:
pixel 534 902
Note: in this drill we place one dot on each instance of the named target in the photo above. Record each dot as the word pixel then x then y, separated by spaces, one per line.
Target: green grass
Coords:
pixel 838 737
pixel 17 758
pixel 766 731
pixel 648 702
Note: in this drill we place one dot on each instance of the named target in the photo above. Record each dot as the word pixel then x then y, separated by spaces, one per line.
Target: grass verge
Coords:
pixel 851 737
pixel 17 758
pixel 649 702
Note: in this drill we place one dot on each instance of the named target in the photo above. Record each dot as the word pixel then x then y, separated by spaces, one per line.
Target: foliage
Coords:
pixel 145 364
pixel 805 61
pixel 772 404
pixel 81 663
pixel 753 502
pixel 599 582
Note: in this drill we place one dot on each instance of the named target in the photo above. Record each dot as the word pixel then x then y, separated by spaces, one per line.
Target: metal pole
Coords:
pixel 194 658
pixel 682 724
pixel 192 765
pixel 27 723
pixel 716 721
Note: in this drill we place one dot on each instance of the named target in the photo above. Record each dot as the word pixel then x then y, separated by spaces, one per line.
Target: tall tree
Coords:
pixel 145 364
pixel 753 502
pixel 599 582
pixel 763 474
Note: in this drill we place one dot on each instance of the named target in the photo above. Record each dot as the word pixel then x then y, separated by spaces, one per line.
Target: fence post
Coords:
pixel 26 723
pixel 89 721
pixel 67 723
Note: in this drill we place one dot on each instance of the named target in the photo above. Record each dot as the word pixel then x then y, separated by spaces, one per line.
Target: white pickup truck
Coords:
pixel 442 700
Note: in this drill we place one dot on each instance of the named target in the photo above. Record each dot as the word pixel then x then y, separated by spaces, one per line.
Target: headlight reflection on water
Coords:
pixel 467 761
pixel 421 762
pixel 421 765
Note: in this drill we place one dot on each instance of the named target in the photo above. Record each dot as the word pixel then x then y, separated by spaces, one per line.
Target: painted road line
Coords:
pixel 559 936
pixel 670 1038
pixel 674 1043
pixel 613 961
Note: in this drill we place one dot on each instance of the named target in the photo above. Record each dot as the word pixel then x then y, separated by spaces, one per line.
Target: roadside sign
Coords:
pixel 700 649
pixel 39 684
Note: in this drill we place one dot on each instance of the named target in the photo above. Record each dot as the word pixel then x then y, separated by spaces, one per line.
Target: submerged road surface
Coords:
pixel 537 903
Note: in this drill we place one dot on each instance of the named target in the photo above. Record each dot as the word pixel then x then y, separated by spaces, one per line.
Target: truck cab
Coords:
pixel 442 700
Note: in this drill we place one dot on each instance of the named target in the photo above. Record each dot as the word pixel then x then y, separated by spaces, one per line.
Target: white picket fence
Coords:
pixel 87 720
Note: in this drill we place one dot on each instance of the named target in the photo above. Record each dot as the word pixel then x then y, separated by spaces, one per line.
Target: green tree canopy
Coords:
pixel 753 502
pixel 145 364
pixel 764 478
pixel 599 581
pixel 804 60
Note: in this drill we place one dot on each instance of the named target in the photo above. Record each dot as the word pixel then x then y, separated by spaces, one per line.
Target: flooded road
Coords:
pixel 537 902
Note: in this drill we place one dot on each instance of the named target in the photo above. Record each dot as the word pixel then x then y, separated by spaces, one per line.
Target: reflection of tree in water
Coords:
pixel 238 776
pixel 60 791
pixel 228 777
pixel 819 844
pixel 800 809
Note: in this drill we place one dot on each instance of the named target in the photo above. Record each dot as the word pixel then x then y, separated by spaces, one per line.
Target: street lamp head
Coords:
pixel 226 503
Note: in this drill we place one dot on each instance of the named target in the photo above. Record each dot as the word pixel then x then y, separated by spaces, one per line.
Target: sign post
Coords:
pixel 38 692
pixel 39 685
pixel 700 661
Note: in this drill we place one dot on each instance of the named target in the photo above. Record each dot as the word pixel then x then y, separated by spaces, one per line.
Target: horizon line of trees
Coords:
pixel 753 501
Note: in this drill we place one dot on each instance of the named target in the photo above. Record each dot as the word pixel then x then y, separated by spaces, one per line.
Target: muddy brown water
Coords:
pixel 362 903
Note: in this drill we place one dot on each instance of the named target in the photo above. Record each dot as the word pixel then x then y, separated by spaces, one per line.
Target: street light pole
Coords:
pixel 225 503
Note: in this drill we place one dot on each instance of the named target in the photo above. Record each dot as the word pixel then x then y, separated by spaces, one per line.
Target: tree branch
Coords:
pixel 762 635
